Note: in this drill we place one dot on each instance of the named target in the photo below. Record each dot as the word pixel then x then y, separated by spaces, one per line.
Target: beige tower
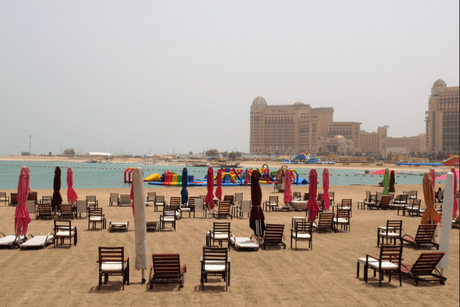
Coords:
pixel 442 119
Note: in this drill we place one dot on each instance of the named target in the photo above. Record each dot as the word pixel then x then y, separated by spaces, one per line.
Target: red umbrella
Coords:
pixel 210 185
pixel 246 175
pixel 71 194
pixel 287 190
pixel 219 185
pixel 312 205
pixel 257 218
pixel 380 172
pixel 455 191
pixel 326 197
pixel 21 215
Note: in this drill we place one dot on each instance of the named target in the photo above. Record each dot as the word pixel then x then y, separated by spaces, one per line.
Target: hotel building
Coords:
pixel 442 119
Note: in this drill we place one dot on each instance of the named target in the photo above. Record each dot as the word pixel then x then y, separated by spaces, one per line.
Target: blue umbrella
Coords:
pixel 184 192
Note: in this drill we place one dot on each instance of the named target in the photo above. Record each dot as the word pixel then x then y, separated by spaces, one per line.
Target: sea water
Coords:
pixel 111 175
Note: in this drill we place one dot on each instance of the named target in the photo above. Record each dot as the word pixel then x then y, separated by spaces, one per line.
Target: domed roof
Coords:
pixel 259 101
pixel 299 103
pixel 338 137
pixel 439 83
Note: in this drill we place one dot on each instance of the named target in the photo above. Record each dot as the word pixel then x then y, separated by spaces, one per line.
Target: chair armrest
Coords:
pixel 127 258
pixel 183 269
pixel 367 257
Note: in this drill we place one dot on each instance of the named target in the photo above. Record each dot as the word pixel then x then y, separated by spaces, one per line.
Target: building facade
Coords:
pixel 291 129
pixel 407 144
pixel 442 119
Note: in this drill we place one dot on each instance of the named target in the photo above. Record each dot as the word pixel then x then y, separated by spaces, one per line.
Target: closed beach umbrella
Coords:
pixel 287 190
pixel 312 205
pixel 246 177
pixel 71 194
pixel 455 173
pixel 446 226
pixel 57 199
pixel 326 197
pixel 386 182
pixel 184 192
pixel 21 214
pixel 140 227
pixel 392 182
pixel 430 215
pixel 433 178
pixel 257 218
pixel 210 186
pixel 219 185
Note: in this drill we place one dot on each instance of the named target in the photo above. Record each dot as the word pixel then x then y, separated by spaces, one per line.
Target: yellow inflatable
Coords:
pixel 153 177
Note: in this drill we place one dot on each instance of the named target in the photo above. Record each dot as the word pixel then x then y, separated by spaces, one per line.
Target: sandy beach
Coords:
pixel 323 276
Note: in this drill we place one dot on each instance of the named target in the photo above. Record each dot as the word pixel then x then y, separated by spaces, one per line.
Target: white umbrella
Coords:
pixel 446 227
pixel 140 228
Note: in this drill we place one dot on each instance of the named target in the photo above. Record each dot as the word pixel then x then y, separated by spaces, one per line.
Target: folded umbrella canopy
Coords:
pixel 433 178
pixel 386 182
pixel 184 192
pixel 71 194
pixel 312 205
pixel 219 185
pixel 455 204
pixel 21 214
pixel 57 199
pixel 256 218
pixel 140 225
pixel 246 177
pixel 430 215
pixel 326 197
pixel 210 186
pixel 287 191
pixel 392 182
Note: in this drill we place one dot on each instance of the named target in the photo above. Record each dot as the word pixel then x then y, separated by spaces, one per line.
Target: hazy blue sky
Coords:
pixel 155 77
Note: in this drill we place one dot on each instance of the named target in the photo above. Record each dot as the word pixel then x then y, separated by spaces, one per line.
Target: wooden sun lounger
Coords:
pixel 39 241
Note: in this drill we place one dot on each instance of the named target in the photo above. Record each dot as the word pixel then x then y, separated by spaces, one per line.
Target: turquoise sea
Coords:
pixel 110 175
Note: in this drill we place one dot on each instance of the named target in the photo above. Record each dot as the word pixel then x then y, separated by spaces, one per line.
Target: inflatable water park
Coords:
pixel 230 177
pixel 453 160
pixel 306 158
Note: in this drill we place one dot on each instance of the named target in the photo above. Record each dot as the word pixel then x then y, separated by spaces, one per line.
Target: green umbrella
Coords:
pixel 386 182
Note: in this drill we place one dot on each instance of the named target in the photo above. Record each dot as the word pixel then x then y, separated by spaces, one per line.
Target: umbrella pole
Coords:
pixel 143 278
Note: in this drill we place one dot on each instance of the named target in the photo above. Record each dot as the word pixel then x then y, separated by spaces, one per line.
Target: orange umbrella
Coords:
pixel 430 214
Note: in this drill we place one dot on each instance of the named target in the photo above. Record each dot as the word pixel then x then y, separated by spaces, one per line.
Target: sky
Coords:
pixel 163 77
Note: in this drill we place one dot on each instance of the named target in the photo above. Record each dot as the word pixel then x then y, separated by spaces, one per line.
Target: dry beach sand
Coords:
pixel 323 276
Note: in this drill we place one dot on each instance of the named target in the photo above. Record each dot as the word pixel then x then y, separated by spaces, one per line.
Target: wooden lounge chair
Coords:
pixel 13 199
pixel 63 230
pixel 168 217
pixel 414 207
pixel 67 212
pixel 38 241
pixel 229 198
pixel 424 266
pixel 297 196
pixel 112 262
pixel 271 203
pixel 118 226
pixel 150 198
pixel 220 232
pixel 44 211
pixel 159 202
pixel 125 200
pixel 389 261
pixel 399 203
pixel 113 199
pixel 274 234
pixel 91 202
pixel 343 219
pixel 384 202
pixel 223 210
pixel 391 232
pixel 166 268
pixel 302 231
pixel 4 198
pixel 46 199
pixel 346 204
pixel 424 236
pixel 96 216
pixel 215 262
pixel 326 221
